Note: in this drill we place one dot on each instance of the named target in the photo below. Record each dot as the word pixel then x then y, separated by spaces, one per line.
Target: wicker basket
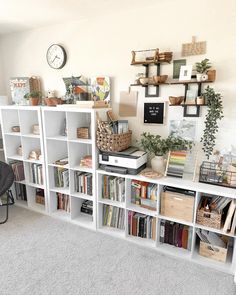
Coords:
pixel 209 219
pixel 113 142
pixel 83 132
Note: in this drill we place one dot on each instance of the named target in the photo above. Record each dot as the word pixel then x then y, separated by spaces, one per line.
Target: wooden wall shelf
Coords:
pixel 173 83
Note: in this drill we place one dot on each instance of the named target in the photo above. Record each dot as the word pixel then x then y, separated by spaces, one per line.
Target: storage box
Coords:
pixel 40 199
pixel 213 252
pixel 177 205
pixel 113 142
pixel 83 132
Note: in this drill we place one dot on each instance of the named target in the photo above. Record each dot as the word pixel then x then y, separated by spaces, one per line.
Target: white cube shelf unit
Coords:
pixel 25 117
pixel 199 188
pixel 60 141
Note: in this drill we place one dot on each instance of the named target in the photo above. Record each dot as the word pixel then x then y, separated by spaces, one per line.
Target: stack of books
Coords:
pixel 86 161
pixel 18 169
pixel 176 163
pixel 141 225
pixel 63 202
pixel 144 194
pixel 113 188
pixel 36 173
pixel 113 216
pixel 20 190
pixel 87 207
pixel 61 177
pixel 176 234
pixel 83 183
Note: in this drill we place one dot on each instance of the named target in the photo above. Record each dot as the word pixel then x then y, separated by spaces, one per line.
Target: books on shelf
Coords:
pixel 83 182
pixel 20 190
pixel 36 173
pixel 61 177
pixel 141 225
pixel 86 161
pixel 39 196
pixel 18 169
pixel 144 194
pixel 87 207
pixel 113 188
pixel 176 234
pixel 230 224
pixel 113 216
pixel 63 202
pixel 62 162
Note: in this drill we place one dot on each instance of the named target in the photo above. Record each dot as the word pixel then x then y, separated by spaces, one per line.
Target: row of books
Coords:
pixel 20 190
pixel 87 207
pixel 18 169
pixel 113 188
pixel 141 225
pixel 36 173
pixel 144 194
pixel 61 177
pixel 113 216
pixel 63 202
pixel 175 234
pixel 83 183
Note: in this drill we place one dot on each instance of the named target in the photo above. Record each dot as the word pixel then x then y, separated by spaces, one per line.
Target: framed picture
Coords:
pixel 176 67
pixel 154 113
pixel 185 73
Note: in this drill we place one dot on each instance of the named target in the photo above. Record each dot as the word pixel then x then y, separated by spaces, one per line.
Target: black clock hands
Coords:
pixel 55 58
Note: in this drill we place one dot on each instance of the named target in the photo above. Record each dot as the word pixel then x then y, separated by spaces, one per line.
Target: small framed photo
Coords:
pixel 176 67
pixel 185 73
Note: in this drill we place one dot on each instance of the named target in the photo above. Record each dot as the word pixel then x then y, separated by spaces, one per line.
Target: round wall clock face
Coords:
pixel 56 56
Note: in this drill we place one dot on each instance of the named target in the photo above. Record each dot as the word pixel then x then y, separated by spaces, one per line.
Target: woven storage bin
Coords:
pixel 83 132
pixel 113 142
pixel 209 219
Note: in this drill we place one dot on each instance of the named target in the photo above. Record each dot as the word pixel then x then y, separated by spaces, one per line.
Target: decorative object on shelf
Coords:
pixel 100 89
pixel 56 56
pixel 34 155
pixel 86 161
pixel 64 128
pixel 138 76
pixel 185 73
pixel 144 56
pixel 176 163
pixel 39 197
pixel 83 132
pixel 194 48
pixel 191 96
pixel 185 129
pixel 211 75
pixel 159 79
pixel 51 99
pixel 15 128
pixel 76 89
pixel 128 103
pixel 35 129
pixel 158 146
pixel 202 68
pixel 19 151
pixel 62 162
pixel 154 113
pixel 19 87
pixel 200 100
pixel 176 67
pixel 214 114
pixel 35 84
pixel 149 173
pixel 176 100
pixel 145 80
pixel 34 98
pixel 165 56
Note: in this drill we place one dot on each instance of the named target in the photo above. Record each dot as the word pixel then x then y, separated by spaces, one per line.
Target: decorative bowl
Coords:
pixel 176 100
pixel 144 81
pixel 160 79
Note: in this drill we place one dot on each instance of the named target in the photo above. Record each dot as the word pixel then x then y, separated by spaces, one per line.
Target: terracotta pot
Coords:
pixel 33 101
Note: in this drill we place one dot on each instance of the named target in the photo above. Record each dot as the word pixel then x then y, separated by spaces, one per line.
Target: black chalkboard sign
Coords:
pixel 154 113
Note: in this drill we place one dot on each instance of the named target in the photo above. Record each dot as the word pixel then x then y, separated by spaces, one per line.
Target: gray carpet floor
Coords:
pixel 43 255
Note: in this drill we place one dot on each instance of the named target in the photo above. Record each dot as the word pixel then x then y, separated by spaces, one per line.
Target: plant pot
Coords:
pixel 33 101
pixel 199 77
pixel 158 164
pixel 200 100
pixel 204 77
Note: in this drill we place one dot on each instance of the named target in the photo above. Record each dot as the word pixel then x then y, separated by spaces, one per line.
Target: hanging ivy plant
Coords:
pixel 214 114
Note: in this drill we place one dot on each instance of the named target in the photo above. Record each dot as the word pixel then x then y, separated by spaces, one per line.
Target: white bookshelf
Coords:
pixel 58 146
pixel 191 255
pixel 25 117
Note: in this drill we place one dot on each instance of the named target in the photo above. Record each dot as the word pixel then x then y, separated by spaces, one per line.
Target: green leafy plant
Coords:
pixel 158 146
pixel 214 114
pixel 33 94
pixel 203 66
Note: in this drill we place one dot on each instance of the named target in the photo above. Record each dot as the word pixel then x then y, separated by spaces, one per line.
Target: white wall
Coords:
pixel 102 46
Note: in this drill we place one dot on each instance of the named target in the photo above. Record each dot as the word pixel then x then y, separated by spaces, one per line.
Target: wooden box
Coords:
pixel 213 252
pixel 176 205
pixel 40 199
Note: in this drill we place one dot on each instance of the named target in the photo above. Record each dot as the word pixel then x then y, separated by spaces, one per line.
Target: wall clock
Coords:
pixel 56 56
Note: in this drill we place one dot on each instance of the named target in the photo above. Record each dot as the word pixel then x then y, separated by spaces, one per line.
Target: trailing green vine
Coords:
pixel 215 113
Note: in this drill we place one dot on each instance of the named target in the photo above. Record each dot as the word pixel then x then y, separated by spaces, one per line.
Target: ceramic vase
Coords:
pixel 199 77
pixel 158 164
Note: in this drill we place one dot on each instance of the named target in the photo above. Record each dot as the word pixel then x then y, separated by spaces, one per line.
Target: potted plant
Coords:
pixel 214 114
pixel 158 147
pixel 34 97
pixel 202 68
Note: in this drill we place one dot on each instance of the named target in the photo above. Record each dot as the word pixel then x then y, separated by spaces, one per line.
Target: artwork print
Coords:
pixel 19 86
pixel 183 128
pixel 100 88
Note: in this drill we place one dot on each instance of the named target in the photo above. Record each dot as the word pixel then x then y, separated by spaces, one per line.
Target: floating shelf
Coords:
pixel 173 83
pixel 188 105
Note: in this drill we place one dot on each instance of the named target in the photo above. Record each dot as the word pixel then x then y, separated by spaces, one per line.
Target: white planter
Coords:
pixel 199 77
pixel 158 164
pixel 204 77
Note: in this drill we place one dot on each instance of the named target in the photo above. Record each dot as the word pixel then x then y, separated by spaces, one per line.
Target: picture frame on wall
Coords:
pixel 176 67
pixel 154 113
pixel 185 73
